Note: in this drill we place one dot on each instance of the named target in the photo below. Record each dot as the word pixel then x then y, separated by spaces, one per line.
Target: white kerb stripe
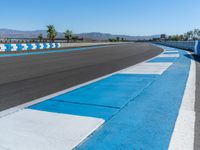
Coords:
pixel 34 46
pixel 53 45
pixel 169 55
pixel 38 130
pixel 48 45
pixel 147 68
pixel 172 51
pixel 14 47
pixel 25 47
pixel 2 47
pixel 41 45
pixel 183 135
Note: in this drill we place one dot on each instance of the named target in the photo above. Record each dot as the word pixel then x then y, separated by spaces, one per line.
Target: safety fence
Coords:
pixel 27 46
pixel 193 46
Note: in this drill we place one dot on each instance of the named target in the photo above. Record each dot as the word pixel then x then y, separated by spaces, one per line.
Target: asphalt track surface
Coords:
pixel 25 78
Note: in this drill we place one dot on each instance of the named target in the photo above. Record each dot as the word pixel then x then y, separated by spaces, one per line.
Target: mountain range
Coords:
pixel 10 33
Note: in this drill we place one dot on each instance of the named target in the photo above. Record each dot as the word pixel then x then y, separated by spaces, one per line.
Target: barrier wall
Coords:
pixel 193 46
pixel 27 46
pixel 197 47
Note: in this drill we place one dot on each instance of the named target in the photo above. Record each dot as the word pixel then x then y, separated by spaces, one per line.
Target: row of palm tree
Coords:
pixel 52 33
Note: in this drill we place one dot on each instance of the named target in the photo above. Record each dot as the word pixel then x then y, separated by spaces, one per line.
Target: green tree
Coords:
pixel 68 35
pixel 118 39
pixel 40 37
pixel 51 32
pixel 75 38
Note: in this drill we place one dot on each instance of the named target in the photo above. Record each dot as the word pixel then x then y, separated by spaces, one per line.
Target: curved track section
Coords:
pixel 25 78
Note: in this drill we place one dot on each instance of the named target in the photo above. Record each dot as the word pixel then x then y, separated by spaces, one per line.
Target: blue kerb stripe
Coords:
pixel 115 91
pixel 30 47
pixel 38 46
pixel 8 47
pixel 76 109
pixel 19 47
pixel 101 99
pixel 164 59
pixel 148 121
pixel 45 45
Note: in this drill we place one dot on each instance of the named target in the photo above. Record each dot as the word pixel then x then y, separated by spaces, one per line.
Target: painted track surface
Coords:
pixel 135 108
pixel 25 78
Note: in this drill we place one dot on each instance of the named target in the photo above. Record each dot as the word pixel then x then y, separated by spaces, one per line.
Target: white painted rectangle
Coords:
pixel 38 130
pixel 147 68
pixel 169 55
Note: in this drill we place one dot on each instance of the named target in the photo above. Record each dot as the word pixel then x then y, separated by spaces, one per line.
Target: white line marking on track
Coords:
pixel 183 135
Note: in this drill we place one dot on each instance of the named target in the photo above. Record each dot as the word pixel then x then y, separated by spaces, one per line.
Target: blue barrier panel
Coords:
pixel 197 47
pixel 30 46
pixel 38 45
pixel 57 45
pixel 51 45
pixel 45 45
pixel 19 47
pixel 8 47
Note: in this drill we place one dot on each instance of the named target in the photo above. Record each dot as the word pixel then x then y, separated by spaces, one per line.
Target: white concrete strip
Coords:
pixel 37 130
pixel 147 68
pixel 172 51
pixel 183 135
pixel 168 55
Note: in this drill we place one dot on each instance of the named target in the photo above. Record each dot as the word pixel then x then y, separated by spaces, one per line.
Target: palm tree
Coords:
pixel 40 37
pixel 68 35
pixel 51 32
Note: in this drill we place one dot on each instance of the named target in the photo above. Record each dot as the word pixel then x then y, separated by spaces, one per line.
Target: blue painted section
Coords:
pixel 30 47
pixel 51 45
pixel 164 59
pixel 8 47
pixel 101 99
pixel 45 45
pixel 76 109
pixel 49 51
pixel 114 91
pixel 57 45
pixel 19 47
pixel 148 121
pixel 38 45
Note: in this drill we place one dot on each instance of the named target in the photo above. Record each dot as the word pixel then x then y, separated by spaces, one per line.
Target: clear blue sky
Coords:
pixel 132 17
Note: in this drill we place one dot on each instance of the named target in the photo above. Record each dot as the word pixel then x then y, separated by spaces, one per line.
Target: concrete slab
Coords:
pixel 168 55
pixel 147 68
pixel 38 130
pixel 115 91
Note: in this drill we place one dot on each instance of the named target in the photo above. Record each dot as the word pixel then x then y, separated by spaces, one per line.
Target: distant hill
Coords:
pixel 9 33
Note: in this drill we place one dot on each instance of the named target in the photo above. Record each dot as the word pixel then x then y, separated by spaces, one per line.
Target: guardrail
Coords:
pixel 187 45
pixel 27 46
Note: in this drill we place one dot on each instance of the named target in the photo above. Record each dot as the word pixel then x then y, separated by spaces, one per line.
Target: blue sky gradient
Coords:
pixel 132 17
